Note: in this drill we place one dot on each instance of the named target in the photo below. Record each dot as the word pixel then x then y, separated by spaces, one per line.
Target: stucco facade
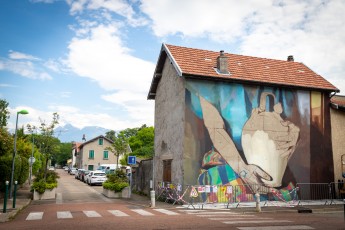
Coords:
pixel 93 153
pixel 169 123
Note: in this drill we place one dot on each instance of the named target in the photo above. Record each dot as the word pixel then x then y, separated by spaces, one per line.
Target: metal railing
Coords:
pixel 234 196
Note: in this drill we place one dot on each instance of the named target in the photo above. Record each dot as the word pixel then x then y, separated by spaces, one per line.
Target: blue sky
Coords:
pixel 92 61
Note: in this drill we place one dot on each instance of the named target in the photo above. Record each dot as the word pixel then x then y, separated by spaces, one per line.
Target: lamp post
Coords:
pixel 32 159
pixel 15 150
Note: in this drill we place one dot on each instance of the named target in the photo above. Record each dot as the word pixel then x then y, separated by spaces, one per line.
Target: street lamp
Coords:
pixel 15 149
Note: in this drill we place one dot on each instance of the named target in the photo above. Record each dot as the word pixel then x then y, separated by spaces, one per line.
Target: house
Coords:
pixel 338 135
pixel 227 119
pixel 94 153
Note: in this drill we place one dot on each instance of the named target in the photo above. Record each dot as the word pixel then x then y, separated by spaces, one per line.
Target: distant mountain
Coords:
pixel 69 133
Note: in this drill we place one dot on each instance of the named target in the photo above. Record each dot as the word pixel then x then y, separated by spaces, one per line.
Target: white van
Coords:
pixel 110 168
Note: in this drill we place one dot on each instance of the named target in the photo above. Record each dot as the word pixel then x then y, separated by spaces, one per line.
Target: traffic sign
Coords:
pixel 31 160
pixel 132 160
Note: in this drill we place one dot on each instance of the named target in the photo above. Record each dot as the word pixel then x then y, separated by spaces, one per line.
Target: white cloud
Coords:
pixel 138 108
pixel 103 58
pixel 105 8
pixel 24 68
pixel 70 115
pixel 312 31
pixel 220 20
pixel 18 55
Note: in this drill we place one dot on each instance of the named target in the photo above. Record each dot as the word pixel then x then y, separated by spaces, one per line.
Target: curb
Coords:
pixel 4 217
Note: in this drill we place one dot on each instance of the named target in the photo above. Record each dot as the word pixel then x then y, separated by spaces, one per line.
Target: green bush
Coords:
pixel 40 184
pixel 116 181
pixel 116 187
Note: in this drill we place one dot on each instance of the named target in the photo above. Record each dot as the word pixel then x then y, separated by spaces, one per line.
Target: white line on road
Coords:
pixel 35 216
pixel 255 221
pixel 214 213
pixel 64 215
pixel 236 218
pixel 142 212
pixel 295 227
pixel 168 212
pixel 229 216
pixel 91 214
pixel 192 210
pixel 117 213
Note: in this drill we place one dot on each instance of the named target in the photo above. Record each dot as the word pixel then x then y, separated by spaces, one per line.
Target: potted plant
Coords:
pixel 116 185
pixel 45 188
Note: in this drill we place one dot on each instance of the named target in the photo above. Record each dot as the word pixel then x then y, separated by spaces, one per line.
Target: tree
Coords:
pixel 4 113
pixel 142 144
pixel 47 142
pixel 119 147
pixel 111 135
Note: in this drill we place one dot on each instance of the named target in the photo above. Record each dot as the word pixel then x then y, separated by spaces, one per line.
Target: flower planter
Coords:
pixel 111 194
pixel 48 194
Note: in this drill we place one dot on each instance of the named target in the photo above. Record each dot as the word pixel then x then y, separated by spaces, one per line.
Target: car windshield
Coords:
pixel 99 174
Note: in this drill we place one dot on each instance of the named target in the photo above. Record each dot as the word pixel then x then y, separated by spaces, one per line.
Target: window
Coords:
pixel 105 154
pixel 91 154
pixel 100 141
pixel 90 167
pixel 167 170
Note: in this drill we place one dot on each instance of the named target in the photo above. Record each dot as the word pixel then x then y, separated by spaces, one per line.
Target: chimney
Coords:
pixel 290 58
pixel 222 63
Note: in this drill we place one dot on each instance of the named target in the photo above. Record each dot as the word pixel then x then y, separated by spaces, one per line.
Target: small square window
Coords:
pixel 105 154
pixel 91 154
pixel 100 141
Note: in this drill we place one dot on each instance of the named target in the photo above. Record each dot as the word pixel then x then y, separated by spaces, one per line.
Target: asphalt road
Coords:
pixel 79 206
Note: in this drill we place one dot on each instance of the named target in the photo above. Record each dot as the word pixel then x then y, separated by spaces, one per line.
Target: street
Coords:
pixel 79 206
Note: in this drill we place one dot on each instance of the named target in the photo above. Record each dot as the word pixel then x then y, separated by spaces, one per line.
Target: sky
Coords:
pixel 92 61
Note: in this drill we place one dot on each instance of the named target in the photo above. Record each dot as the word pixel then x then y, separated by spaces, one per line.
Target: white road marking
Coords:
pixel 192 210
pixel 64 215
pixel 168 212
pixel 294 227
pixel 35 216
pixel 255 221
pixel 117 213
pixel 236 218
pixel 214 213
pixel 142 212
pixel 229 216
pixel 91 214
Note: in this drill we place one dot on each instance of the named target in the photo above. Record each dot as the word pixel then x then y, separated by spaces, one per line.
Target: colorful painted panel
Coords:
pixel 249 135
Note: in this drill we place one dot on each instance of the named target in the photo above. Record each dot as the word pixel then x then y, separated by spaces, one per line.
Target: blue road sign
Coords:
pixel 132 160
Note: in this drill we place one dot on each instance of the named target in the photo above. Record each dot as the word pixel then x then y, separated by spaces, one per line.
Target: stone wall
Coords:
pixel 142 176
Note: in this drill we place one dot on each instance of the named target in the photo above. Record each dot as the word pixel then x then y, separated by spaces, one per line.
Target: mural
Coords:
pixel 256 139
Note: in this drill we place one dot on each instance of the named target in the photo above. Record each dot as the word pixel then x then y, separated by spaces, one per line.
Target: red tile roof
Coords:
pixel 246 69
pixel 338 100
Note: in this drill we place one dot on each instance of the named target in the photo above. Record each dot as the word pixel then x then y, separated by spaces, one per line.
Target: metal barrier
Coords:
pixel 322 192
pixel 234 196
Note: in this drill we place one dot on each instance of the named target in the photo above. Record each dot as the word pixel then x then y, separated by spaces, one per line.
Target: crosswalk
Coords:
pixel 240 221
pixel 92 213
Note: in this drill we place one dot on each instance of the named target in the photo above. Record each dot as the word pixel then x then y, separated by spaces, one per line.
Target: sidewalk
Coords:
pixel 24 199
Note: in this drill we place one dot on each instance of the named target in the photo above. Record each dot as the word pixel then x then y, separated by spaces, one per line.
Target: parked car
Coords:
pixel 78 173
pixel 96 177
pixel 83 174
pixel 51 168
pixel 72 171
